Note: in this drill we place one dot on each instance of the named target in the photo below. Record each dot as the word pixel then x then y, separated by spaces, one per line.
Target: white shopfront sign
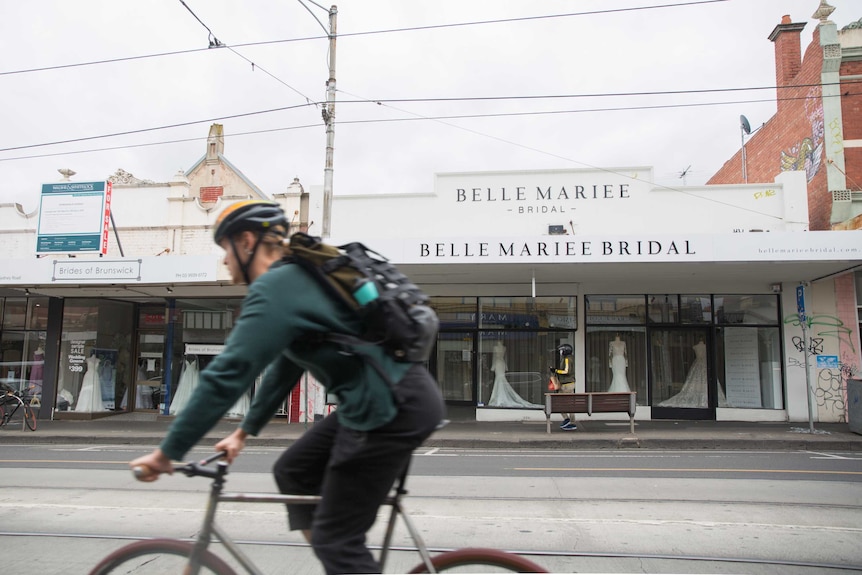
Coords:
pixel 149 270
pixel 763 247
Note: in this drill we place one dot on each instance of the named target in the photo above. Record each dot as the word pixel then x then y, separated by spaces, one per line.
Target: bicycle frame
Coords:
pixel 10 404
pixel 217 495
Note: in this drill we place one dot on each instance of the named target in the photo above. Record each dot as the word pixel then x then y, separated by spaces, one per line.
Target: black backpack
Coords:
pixel 394 312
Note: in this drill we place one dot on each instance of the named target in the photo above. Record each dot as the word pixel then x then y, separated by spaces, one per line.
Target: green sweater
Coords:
pixel 281 307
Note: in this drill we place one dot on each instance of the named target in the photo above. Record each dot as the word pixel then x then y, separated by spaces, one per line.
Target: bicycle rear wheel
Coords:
pixel 480 560
pixel 29 417
pixel 159 557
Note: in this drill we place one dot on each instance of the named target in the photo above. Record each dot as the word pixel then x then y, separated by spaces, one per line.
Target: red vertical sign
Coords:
pixel 106 220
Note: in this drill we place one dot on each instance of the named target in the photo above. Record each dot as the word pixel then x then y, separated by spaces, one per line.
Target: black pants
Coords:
pixel 354 471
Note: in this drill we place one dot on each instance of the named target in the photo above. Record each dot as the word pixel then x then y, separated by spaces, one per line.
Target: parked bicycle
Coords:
pixel 163 556
pixel 11 401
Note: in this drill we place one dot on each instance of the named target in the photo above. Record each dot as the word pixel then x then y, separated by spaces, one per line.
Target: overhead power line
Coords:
pixel 593 95
pixel 153 129
pixel 363 33
pixel 216 43
pixel 413 117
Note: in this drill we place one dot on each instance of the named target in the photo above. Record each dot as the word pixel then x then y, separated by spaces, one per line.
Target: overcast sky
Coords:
pixel 602 54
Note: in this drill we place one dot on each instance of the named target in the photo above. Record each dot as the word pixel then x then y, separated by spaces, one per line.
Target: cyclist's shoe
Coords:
pixel 569 426
pixel 565 423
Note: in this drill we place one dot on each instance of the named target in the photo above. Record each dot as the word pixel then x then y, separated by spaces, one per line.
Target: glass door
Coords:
pixel 454 367
pixel 149 370
pixel 681 375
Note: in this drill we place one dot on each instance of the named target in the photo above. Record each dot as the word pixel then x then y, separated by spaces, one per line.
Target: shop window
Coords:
pixel 12 359
pixel 695 309
pixel 616 360
pixel 514 366
pixel 615 309
pixel 95 356
pixel 680 368
pixel 455 311
pixel 202 325
pixel 559 312
pixel 454 369
pixel 748 367
pixel 663 308
pixel 747 309
pixel 37 313
pixel 22 344
pixel 151 317
pixel 15 313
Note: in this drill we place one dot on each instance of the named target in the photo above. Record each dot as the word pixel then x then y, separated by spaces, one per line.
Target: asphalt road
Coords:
pixel 63 507
pixel 781 465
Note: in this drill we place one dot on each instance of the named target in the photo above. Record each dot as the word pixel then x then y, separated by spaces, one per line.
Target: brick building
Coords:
pixel 817 128
pixel 818 123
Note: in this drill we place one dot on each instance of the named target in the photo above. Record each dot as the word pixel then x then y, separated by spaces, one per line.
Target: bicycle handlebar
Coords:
pixel 189 469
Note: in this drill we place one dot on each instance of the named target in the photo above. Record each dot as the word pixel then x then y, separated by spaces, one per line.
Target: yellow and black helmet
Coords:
pixel 250 215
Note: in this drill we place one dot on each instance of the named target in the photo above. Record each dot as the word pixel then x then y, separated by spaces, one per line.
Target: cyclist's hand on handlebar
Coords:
pixel 232 444
pixel 149 467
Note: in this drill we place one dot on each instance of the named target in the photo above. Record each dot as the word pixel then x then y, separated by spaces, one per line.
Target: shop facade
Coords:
pixel 687 296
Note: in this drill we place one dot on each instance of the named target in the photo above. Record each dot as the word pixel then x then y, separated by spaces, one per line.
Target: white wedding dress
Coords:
pixel 185 386
pixel 90 397
pixel 693 392
pixel 618 366
pixel 502 394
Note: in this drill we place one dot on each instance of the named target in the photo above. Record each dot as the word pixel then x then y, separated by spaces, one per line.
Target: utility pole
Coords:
pixel 329 119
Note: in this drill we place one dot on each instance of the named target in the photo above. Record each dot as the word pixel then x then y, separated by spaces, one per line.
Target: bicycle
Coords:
pixel 162 556
pixel 10 402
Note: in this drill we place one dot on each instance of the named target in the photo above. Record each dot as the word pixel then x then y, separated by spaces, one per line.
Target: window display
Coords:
pixel 521 359
pixel 95 367
pixel 619 363
pixel 616 360
pixel 502 392
pixel 694 389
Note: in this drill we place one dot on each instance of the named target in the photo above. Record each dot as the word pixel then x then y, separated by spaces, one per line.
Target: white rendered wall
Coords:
pixel 584 202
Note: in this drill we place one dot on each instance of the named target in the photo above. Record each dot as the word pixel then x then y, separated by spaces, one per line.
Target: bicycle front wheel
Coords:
pixel 159 557
pixel 480 560
pixel 29 417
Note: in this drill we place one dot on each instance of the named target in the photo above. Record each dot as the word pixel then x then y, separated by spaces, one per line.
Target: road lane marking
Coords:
pixel 688 470
pixel 61 461
pixel 833 456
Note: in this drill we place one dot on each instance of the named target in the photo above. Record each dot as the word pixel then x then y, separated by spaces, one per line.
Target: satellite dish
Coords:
pixel 743 123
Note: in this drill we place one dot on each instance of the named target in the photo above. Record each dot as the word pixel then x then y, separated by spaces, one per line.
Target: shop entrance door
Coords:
pixel 682 384
pixel 454 368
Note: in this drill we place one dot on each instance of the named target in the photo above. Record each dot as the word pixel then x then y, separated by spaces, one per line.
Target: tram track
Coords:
pixel 537 556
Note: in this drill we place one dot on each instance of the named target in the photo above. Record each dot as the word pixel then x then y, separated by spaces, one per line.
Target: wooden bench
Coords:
pixel 592 402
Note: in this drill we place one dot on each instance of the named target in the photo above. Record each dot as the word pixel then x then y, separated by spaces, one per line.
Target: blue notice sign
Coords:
pixel 800 299
pixel 827 362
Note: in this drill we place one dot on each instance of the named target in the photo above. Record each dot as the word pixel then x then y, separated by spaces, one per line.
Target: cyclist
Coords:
pixel 353 456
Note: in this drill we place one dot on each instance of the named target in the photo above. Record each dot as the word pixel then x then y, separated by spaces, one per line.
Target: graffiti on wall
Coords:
pixel 831 384
pixel 808 152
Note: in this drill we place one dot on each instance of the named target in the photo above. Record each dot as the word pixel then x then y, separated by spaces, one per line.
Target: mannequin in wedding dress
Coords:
pixel 90 397
pixel 502 394
pixel 693 392
pixel 185 385
pixel 619 362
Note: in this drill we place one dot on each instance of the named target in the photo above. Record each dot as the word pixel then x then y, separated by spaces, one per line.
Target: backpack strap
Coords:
pixel 351 345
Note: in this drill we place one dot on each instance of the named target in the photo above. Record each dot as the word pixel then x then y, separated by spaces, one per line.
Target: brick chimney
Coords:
pixel 788 55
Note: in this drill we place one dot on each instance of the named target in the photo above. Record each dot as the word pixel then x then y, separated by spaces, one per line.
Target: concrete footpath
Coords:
pixel 147 430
